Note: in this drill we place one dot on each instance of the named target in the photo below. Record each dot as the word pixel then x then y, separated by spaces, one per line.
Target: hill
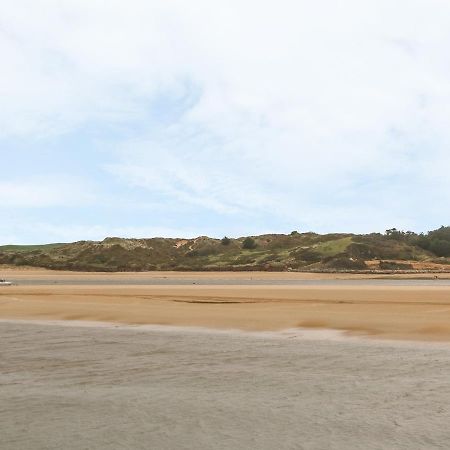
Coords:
pixel 393 251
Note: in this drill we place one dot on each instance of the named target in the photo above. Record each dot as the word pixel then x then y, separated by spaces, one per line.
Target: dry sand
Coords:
pixel 399 312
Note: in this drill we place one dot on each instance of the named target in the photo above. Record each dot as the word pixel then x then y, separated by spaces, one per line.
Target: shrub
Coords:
pixel 440 247
pixel 307 255
pixel 360 251
pixel 225 241
pixel 249 243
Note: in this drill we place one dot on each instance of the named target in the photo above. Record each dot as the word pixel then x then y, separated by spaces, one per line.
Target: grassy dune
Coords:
pixel 270 252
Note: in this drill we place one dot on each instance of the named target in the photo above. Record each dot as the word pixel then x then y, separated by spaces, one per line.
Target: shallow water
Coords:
pixel 88 387
pixel 227 282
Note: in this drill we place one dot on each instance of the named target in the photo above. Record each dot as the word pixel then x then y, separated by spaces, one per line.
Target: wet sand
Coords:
pixel 374 308
pixel 26 273
pixel 117 387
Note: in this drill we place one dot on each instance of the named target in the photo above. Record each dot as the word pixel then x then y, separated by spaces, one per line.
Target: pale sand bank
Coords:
pixel 121 387
pixel 385 311
pixel 306 334
pixel 392 312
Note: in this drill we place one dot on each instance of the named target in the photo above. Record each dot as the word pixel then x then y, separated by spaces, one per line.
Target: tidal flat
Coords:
pixel 91 386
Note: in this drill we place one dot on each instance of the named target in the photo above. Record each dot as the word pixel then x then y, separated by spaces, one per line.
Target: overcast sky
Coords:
pixel 140 118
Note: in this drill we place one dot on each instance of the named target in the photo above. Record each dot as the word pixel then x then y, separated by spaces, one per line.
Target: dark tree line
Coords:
pixel 436 241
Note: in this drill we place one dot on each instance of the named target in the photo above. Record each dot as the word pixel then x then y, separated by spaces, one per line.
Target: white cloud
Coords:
pixel 44 192
pixel 301 107
pixel 321 67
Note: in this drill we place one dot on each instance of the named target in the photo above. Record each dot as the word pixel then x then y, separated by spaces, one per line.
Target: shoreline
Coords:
pixel 289 333
pixel 26 271
pixel 292 334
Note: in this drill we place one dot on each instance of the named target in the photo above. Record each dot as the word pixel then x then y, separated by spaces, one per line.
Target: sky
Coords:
pixel 171 118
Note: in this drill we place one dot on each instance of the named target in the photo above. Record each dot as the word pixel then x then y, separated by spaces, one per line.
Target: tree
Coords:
pixel 440 247
pixel 423 241
pixel 442 233
pixel 249 243
pixel 436 241
pixel 395 234
pixel 225 241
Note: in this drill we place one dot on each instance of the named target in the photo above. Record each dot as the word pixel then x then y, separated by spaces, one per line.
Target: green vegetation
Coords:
pixel 334 247
pixel 394 250
pixel 28 248
pixel 248 243
pixel 437 241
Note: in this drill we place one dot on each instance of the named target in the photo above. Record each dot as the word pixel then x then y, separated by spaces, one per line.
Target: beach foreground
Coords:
pixel 252 302
pixel 120 387
pixel 221 361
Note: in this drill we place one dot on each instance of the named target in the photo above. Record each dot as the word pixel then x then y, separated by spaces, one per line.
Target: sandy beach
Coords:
pixel 220 361
pixel 371 308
